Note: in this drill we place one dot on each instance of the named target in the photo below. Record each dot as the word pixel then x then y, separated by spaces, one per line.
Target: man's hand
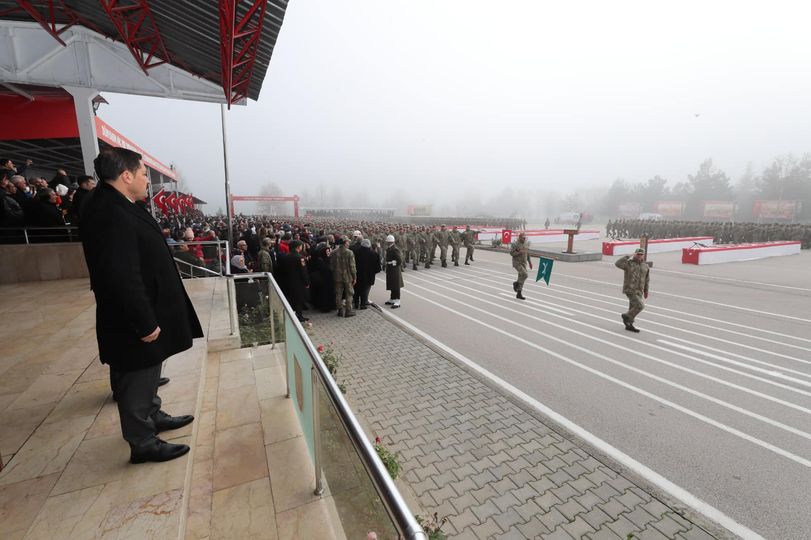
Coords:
pixel 645 294
pixel 153 336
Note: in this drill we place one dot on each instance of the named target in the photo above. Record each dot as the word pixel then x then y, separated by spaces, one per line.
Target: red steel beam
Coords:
pixel 239 40
pixel 138 30
pixel 48 18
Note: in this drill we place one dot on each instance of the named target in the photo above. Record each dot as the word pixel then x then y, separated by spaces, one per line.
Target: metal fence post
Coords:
pixel 319 487
pixel 229 287
pixel 25 232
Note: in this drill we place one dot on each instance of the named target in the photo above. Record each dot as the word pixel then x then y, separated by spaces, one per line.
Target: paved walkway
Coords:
pixel 471 454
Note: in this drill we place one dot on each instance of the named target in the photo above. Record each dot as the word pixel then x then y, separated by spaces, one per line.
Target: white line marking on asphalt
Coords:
pixel 728 279
pixel 614 453
pixel 723 382
pixel 772 372
pixel 769 446
pixel 654 310
pixel 742 357
pixel 554 293
pixel 681 297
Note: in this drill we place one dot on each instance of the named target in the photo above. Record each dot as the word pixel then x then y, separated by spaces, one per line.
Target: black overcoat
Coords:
pixel 136 283
pixel 394 273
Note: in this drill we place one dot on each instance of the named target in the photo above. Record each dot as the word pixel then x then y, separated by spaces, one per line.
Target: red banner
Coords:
pixel 629 210
pixel 112 137
pixel 670 209
pixel 787 210
pixel 506 237
pixel 722 210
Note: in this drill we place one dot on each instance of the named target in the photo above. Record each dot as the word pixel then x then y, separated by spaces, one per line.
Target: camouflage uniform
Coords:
pixel 455 239
pixel 344 274
pixel 519 250
pixel 634 284
pixel 443 238
pixel 469 239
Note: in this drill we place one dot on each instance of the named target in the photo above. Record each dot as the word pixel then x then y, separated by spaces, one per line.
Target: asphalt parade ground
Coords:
pixel 711 402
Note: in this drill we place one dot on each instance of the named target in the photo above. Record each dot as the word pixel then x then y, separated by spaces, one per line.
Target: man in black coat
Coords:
pixel 86 185
pixel 368 264
pixel 143 314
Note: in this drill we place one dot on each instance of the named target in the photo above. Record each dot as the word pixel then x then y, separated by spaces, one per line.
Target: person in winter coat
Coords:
pixel 368 264
pixel 296 278
pixel 394 272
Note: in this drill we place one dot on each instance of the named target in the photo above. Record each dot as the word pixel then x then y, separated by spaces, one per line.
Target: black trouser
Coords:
pixel 361 297
pixel 395 294
pixel 136 393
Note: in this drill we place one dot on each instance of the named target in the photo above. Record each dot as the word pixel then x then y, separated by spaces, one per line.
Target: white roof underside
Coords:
pixel 29 55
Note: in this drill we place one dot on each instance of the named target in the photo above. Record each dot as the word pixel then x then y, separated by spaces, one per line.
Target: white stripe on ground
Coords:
pixel 556 290
pixel 727 279
pixel 614 453
pixel 681 297
pixel 655 310
pixel 723 382
pixel 742 357
pixel 548 292
pixel 772 372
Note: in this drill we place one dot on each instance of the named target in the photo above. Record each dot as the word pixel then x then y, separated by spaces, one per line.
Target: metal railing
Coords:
pixel 330 416
pixel 194 270
pixel 39 235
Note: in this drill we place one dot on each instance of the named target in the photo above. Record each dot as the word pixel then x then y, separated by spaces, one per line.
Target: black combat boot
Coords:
pixel 456 263
pixel 515 286
pixel 414 267
pixel 444 264
pixel 350 314
pixel 625 320
pixel 467 263
pixel 632 328
pixel 520 296
pixel 340 313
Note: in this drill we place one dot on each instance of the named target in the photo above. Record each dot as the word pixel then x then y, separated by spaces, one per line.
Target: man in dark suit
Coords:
pixel 143 314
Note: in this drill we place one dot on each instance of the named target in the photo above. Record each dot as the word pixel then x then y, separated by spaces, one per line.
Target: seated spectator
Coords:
pixel 44 211
pixel 11 213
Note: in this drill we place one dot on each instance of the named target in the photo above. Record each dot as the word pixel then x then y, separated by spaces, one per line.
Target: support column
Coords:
pixel 86 120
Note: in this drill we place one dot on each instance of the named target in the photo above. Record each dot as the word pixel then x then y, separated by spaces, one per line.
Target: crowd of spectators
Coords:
pixel 34 201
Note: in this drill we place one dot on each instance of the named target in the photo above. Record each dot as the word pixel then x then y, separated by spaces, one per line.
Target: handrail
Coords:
pixel 404 520
pixel 203 268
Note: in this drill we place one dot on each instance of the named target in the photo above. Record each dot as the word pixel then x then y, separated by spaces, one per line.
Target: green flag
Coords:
pixel 544 269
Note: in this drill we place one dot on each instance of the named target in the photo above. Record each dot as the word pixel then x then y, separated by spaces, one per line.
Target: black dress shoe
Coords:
pixel 168 423
pixel 163 380
pixel 162 451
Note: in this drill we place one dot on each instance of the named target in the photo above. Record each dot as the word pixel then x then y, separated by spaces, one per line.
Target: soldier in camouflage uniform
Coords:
pixel 409 255
pixel 455 239
pixel 344 274
pixel 519 250
pixel 434 242
pixel 443 238
pixel 468 239
pixel 425 245
pixel 634 285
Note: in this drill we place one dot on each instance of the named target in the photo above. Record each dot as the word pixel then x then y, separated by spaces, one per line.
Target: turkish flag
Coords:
pixel 171 201
pixel 506 236
pixel 160 200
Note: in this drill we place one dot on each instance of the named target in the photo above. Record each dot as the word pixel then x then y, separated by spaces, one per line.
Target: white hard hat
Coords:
pixel 356 233
pixel 390 238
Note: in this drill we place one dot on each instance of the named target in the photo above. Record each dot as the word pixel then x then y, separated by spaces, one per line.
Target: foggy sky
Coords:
pixel 439 97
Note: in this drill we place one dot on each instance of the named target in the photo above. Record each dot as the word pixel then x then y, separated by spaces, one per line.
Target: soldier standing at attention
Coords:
pixel 443 237
pixel 344 274
pixel 520 254
pixel 456 239
pixel 394 274
pixel 432 235
pixel 468 238
pixel 634 285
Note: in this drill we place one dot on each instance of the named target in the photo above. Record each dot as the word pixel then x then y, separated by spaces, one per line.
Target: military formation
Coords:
pixel 419 244
pixel 722 232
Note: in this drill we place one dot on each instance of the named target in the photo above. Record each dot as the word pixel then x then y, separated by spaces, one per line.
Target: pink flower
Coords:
pixel 320 348
pixel 377 440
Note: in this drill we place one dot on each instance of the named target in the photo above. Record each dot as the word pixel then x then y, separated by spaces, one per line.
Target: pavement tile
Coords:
pixel 552 518
pixel 578 528
pixel 471 453
pixel 696 533
pixel 488 529
pixel 650 534
pixel 508 518
pixel 533 528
